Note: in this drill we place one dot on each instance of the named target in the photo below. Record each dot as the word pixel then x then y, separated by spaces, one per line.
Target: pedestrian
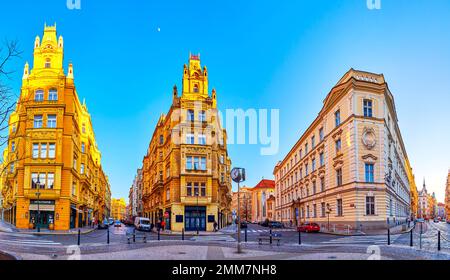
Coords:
pixel 163 225
pixel 93 222
pixel 290 223
pixel 215 226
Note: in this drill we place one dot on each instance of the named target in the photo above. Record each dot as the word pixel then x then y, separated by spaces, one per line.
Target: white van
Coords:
pixel 142 223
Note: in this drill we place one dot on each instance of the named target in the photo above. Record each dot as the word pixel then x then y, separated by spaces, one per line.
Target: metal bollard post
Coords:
pixel 245 234
pixel 439 240
pixel 411 238
pixel 299 238
pixel 79 236
pixel 182 234
pixel 270 238
pixel 107 239
pixel 389 236
pixel 134 235
pixel 159 235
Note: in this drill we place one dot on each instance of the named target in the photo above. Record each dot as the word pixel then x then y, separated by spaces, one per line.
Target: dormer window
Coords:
pixel 48 63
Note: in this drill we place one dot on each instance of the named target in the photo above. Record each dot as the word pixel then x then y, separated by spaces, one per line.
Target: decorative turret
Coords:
pixel 37 42
pixel 214 98
pixel 195 80
pixel 48 52
pixel 26 71
pixel 70 72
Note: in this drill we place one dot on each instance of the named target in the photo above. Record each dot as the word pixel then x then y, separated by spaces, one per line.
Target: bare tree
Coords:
pixel 8 100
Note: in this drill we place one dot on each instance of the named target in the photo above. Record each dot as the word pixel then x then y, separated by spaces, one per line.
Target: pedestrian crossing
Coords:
pixel 25 240
pixel 253 231
pixel 363 239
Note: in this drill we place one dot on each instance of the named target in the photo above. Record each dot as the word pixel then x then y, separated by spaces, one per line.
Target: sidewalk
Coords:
pixel 190 233
pixel 8 228
pixel 353 232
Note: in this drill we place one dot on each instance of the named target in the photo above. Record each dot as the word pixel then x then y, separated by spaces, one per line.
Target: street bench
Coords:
pixel 276 237
pixel 132 236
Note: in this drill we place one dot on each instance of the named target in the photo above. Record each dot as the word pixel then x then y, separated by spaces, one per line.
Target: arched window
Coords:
pixel 39 95
pixel 195 88
pixel 53 95
pixel 48 63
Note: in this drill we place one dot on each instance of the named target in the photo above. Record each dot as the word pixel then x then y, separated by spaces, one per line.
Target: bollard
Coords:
pixel 299 238
pixel 389 236
pixel 270 238
pixel 182 234
pixel 107 239
pixel 245 234
pixel 134 235
pixel 79 236
pixel 439 240
pixel 411 238
pixel 159 235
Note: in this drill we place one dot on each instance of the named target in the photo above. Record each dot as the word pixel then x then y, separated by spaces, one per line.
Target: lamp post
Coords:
pixel 38 194
pixel 328 212
pixel 197 222
pixel 238 175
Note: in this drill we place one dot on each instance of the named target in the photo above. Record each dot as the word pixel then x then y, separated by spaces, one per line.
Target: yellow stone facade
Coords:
pixel 447 198
pixel 188 155
pixel 118 208
pixel 413 190
pixel 52 152
pixel 349 167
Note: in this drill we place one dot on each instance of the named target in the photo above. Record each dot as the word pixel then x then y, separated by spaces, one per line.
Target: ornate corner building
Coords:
pixel 350 168
pixel 52 162
pixel 186 179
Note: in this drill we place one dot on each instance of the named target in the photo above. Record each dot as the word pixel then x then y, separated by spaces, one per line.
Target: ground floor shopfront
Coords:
pixel 189 217
pixel 60 214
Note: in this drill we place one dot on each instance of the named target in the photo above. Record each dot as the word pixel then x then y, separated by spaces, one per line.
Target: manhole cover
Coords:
pixel 181 253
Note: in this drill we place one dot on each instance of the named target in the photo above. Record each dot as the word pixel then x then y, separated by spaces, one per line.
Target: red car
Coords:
pixel 309 227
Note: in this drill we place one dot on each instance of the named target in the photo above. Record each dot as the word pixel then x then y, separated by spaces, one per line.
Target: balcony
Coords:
pixel 192 200
pixel 44 193
pixel 158 184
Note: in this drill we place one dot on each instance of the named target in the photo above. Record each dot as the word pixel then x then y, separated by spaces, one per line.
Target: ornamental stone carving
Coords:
pixel 369 138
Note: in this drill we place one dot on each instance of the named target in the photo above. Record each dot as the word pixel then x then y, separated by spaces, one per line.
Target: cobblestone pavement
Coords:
pixel 314 246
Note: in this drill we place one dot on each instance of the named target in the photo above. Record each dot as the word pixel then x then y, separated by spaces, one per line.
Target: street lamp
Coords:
pixel 198 213
pixel 238 175
pixel 328 212
pixel 38 194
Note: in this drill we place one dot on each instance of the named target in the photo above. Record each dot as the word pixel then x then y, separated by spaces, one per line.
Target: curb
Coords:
pixel 48 233
pixel 12 257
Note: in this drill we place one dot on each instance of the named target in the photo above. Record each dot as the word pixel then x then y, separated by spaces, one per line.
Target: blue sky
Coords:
pixel 260 54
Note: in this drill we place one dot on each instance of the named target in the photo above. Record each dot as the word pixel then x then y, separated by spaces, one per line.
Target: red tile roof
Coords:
pixel 265 184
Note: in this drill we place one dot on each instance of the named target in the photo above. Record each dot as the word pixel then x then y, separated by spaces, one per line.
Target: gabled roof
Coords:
pixel 265 184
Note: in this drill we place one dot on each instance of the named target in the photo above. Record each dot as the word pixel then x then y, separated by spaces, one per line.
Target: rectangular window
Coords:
pixel 74 189
pixel 190 139
pixel 202 139
pixel 367 104
pixel 161 139
pixel 35 150
pixel 202 116
pixel 196 163
pixel 314 188
pixel 314 210
pixel 321 158
pixel 203 189
pixel 306 148
pixel 339 177
pixel 313 142
pixel 339 209
pixel 34 179
pixel 337 118
pixel 203 163
pixel 338 145
pixel 370 205
pixel 82 168
pixel 83 147
pixel 51 121
pixel 50 180
pixel 190 115
pixel 189 189
pixel 307 211
pixel 39 95
pixel 313 165
pixel 42 180
pixel 13 146
pixel 189 163
pixel 369 173
pixel 306 169
pixel 51 150
pixel 196 191
pixel 53 95
pixel 43 150
pixel 322 184
pixel 322 211
pixel 168 194
pixel 37 121
pixel 321 135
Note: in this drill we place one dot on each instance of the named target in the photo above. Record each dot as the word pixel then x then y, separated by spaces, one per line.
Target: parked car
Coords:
pixel 118 223
pixel 142 223
pixel 103 225
pixel 275 224
pixel 436 220
pixel 244 225
pixel 309 227
pixel 111 221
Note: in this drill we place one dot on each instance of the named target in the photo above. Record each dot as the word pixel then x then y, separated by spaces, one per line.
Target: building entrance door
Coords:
pixel 43 219
pixel 195 218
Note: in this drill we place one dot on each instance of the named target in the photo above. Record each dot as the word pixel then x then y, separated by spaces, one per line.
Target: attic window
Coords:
pixel 47 63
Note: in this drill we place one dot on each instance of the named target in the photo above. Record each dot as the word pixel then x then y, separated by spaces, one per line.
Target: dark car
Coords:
pixel 103 225
pixel 275 224
pixel 244 225
pixel 117 224
pixel 309 227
